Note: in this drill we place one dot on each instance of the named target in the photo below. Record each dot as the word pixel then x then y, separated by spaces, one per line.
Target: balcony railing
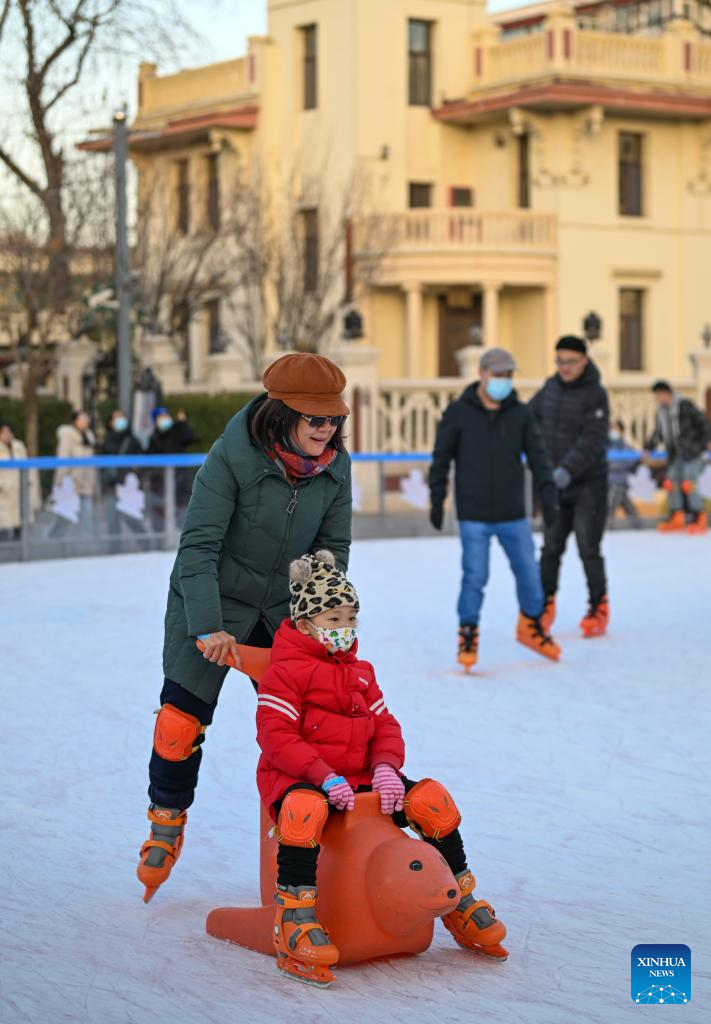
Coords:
pixel 462 229
pixel 672 57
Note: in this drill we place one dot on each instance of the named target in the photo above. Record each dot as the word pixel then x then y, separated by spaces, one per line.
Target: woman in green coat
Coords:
pixel 277 484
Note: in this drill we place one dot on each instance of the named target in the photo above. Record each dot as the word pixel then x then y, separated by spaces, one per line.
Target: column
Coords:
pixel 490 314
pixel 413 340
pixel 550 319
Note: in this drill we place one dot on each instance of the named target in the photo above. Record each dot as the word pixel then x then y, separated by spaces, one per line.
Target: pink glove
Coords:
pixel 338 793
pixel 388 783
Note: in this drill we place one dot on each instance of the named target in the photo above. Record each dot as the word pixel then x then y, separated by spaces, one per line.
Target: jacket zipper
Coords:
pixel 289 511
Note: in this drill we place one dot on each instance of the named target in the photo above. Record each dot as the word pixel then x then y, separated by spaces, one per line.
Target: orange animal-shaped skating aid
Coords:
pixel 380 890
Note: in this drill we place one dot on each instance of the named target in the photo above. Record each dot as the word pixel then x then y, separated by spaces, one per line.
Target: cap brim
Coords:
pixel 313 405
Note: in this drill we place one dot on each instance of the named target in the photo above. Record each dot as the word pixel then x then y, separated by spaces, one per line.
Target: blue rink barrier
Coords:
pixel 103 526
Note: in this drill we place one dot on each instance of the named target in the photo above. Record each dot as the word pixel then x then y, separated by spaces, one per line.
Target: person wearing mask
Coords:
pixel 620 470
pixel 276 484
pixel 11 448
pixel 75 440
pixel 485 432
pixel 686 434
pixel 573 414
pixel 119 440
pixel 170 437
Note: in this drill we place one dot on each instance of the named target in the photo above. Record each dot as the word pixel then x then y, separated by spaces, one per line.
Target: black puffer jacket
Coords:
pixel 486 446
pixel 682 428
pixel 574 420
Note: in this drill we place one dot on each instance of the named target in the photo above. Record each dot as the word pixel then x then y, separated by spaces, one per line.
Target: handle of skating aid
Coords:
pixel 254 661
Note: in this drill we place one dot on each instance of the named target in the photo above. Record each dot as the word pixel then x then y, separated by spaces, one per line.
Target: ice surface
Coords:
pixel 584 788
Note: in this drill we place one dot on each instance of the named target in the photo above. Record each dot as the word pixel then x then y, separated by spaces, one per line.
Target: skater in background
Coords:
pixel 619 473
pixel 278 482
pixel 485 432
pixel 75 440
pixel 325 734
pixel 170 437
pixel 11 448
pixel 119 440
pixel 573 413
pixel 686 434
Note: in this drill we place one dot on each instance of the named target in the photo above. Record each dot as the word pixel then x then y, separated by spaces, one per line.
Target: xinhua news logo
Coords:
pixel 661 974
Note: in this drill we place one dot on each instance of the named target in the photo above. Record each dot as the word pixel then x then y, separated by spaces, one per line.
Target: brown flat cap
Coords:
pixel 307 383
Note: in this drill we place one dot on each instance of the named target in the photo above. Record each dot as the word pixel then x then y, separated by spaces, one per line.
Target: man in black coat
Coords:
pixel 685 433
pixel 573 413
pixel 486 431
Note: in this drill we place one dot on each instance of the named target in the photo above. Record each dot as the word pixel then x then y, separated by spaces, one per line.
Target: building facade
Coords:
pixel 532 168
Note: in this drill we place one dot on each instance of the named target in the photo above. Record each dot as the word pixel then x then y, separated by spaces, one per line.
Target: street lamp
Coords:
pixel 352 325
pixel 592 327
pixel 706 336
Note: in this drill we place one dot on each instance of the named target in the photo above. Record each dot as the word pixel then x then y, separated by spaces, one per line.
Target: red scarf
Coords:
pixel 301 466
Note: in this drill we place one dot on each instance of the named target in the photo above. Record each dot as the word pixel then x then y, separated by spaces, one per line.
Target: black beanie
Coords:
pixel 571 343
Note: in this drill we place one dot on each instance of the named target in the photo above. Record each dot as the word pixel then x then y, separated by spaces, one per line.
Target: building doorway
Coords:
pixel 459 326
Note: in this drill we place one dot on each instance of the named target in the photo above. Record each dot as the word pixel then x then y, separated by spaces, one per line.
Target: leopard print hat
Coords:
pixel 317 585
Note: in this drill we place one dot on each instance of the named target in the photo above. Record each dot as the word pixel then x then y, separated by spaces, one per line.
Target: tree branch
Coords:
pixel 23 176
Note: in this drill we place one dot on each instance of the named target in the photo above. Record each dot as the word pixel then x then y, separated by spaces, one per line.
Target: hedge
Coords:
pixel 52 413
pixel 207 414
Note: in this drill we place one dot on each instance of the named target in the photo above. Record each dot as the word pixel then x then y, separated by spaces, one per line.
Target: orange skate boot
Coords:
pixel 160 852
pixel 548 615
pixel 530 633
pixel 468 651
pixel 674 524
pixel 473 924
pixel 596 621
pixel 700 524
pixel 303 948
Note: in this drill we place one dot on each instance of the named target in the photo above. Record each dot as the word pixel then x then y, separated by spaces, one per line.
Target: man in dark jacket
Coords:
pixel 573 413
pixel 685 433
pixel 486 431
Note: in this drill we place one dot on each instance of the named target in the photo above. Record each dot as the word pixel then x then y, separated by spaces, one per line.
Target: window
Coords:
pixel 310 44
pixel 213 192
pixel 631 329
pixel 420 195
pixel 630 174
pixel 183 198
pixel 311 249
pixel 214 327
pixel 420 63
pixel 460 197
pixel 523 188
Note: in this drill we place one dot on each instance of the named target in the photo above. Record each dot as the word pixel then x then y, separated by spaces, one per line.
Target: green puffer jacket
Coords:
pixel 244 525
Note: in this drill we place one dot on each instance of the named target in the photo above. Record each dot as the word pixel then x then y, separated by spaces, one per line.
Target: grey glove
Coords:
pixel 561 478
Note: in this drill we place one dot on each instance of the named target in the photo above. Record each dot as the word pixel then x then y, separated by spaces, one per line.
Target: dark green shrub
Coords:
pixel 207 414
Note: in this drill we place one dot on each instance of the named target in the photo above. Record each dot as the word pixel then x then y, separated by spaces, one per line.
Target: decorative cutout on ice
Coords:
pixel 357 492
pixel 130 499
pixel 661 994
pixel 414 489
pixel 705 482
pixel 65 501
pixel 642 484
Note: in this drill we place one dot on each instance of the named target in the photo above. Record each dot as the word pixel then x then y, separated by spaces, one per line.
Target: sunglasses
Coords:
pixel 319 421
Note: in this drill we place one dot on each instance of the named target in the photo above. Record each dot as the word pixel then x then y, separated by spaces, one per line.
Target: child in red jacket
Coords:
pixel 325 733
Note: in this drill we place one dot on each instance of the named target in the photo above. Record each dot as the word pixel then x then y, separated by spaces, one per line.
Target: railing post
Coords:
pixel 25 513
pixel 171 533
pixel 381 490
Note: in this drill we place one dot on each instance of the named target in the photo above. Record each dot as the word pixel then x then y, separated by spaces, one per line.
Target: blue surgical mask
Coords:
pixel 499 388
pixel 164 423
pixel 120 423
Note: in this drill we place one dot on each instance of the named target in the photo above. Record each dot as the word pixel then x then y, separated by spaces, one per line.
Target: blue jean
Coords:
pixel 678 471
pixel 517 541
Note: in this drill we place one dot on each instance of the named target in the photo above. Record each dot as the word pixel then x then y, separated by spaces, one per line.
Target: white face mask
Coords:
pixel 336 639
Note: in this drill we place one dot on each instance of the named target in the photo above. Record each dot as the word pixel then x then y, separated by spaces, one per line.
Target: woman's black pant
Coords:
pixel 297 864
pixel 173 783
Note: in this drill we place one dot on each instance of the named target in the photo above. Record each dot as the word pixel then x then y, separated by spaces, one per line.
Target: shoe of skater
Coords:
pixel 303 948
pixel 700 524
pixel 468 646
pixel 674 524
pixel 548 615
pixel 530 633
pixel 160 852
pixel 596 620
pixel 473 923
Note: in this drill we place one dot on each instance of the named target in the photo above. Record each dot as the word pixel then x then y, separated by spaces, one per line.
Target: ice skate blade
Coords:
pixel 308 974
pixel 150 892
pixel 494 952
pixel 467 663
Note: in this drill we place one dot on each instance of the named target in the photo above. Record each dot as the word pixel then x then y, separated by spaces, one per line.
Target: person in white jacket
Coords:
pixel 75 440
pixel 10 485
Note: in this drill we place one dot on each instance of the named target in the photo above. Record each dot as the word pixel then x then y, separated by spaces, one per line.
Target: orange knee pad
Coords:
pixel 687 487
pixel 175 733
pixel 303 814
pixel 430 809
pixel 668 485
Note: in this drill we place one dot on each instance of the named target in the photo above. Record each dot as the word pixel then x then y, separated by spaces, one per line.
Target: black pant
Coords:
pixel 297 864
pixel 583 509
pixel 173 783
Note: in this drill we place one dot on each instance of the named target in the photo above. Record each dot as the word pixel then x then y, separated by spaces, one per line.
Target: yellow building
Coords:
pixel 533 167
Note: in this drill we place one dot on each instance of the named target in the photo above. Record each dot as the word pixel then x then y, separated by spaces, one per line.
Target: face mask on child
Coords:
pixel 499 388
pixel 338 639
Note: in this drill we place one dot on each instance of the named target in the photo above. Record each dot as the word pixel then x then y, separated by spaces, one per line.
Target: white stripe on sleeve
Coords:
pixel 378 703
pixel 278 700
pixel 266 702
